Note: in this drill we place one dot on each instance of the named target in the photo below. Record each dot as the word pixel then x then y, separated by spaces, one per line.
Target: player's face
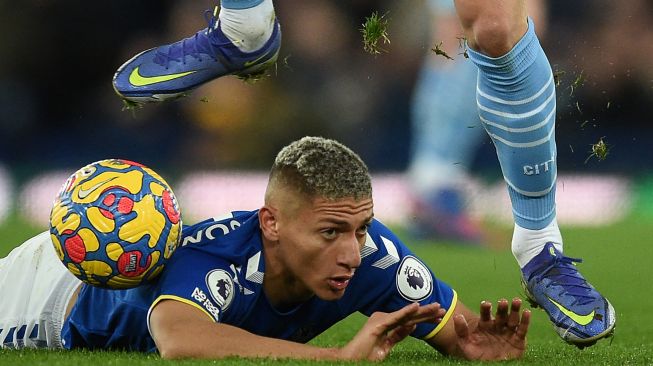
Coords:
pixel 321 243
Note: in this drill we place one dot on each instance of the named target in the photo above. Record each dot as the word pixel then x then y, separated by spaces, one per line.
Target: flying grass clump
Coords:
pixel 558 75
pixel 131 106
pixel 462 46
pixel 437 49
pixel 577 83
pixel 600 150
pixel 375 31
pixel 254 77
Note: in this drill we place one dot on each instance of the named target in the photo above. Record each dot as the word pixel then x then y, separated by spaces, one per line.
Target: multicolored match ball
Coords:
pixel 115 223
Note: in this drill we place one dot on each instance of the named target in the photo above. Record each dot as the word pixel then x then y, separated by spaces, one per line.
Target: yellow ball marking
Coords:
pixel 91 241
pixel 155 258
pixel 57 221
pixel 156 189
pixel 148 221
pixel 114 251
pixel 92 281
pixel 90 190
pixel 97 268
pixel 113 163
pixel 117 282
pixel 72 268
pixel 121 281
pixel 101 223
pixel 57 246
pixel 173 240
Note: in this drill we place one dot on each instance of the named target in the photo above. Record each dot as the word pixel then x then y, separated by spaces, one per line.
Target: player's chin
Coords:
pixel 330 295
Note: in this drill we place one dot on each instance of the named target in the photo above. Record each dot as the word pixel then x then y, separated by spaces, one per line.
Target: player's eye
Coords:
pixel 363 229
pixel 330 233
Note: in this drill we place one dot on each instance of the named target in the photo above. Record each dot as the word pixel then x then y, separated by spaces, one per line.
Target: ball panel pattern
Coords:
pixel 115 223
pixel 57 246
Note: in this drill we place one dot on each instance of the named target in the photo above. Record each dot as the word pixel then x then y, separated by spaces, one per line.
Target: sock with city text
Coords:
pixel 517 104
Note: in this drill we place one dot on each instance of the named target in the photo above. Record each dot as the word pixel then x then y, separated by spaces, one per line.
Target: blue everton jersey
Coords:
pixel 219 269
pixel 103 318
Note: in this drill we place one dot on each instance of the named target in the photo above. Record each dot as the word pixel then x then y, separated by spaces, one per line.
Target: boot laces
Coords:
pixel 563 273
pixel 195 46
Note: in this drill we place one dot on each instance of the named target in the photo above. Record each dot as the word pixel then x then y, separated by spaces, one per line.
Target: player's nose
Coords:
pixel 349 255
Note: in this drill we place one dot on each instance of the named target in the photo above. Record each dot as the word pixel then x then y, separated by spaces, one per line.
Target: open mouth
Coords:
pixel 339 283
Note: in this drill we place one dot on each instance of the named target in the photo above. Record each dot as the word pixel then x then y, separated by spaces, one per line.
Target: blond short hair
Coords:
pixel 320 167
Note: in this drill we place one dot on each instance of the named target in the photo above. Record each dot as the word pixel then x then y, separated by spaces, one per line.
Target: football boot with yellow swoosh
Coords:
pixel 173 70
pixel 579 313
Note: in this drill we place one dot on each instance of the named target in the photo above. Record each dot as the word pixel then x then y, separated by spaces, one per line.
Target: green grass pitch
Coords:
pixel 618 262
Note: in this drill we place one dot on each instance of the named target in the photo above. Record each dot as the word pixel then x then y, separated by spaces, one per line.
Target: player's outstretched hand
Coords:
pixel 501 338
pixel 383 330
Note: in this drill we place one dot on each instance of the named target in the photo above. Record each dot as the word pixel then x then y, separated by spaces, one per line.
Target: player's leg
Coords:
pixel 494 27
pixel 36 288
pixel 242 39
pixel 446 134
pixel 516 101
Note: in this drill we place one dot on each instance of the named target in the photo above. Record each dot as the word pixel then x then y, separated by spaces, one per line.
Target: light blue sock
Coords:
pixel 446 131
pixel 445 127
pixel 517 104
pixel 239 4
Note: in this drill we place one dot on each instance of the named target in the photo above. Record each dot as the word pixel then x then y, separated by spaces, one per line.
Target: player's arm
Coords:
pixel 182 331
pixel 473 337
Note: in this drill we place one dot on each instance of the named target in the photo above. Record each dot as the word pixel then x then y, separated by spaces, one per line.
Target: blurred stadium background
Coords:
pixel 58 110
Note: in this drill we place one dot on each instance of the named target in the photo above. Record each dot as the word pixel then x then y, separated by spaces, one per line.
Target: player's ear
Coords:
pixel 268 221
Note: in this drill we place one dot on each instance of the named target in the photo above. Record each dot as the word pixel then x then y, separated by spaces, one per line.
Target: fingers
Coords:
pixel 388 321
pixel 408 316
pixel 513 318
pixel 431 313
pixel 501 319
pixel 399 334
pixel 485 322
pixel 518 322
pixel 522 328
pixel 505 320
pixel 383 330
pixel 461 326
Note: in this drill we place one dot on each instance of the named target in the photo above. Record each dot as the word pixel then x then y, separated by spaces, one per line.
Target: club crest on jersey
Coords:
pixel 414 280
pixel 221 287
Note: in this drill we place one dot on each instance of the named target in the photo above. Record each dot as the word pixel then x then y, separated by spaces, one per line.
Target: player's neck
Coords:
pixel 282 289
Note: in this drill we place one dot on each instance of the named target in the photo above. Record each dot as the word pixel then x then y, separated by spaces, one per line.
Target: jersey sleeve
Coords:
pixel 200 280
pixel 391 277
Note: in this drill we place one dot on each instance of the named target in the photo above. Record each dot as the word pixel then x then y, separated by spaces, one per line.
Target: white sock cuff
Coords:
pixel 526 243
pixel 249 28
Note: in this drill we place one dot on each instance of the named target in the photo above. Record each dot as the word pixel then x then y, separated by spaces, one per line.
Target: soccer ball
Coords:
pixel 115 223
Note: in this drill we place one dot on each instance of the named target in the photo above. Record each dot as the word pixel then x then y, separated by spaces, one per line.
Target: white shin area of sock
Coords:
pixel 250 28
pixel 526 244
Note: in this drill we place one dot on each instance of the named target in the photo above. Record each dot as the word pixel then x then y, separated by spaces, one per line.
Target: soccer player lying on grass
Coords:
pixel 517 105
pixel 262 283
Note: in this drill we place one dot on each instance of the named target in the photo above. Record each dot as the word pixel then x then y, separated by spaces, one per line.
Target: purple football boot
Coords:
pixel 579 313
pixel 173 70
